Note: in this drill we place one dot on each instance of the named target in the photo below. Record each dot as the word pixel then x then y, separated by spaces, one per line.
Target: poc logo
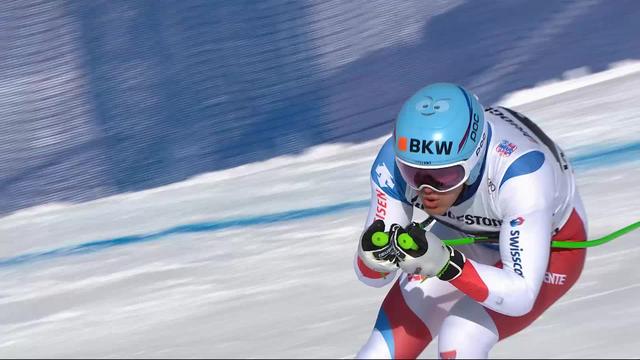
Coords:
pixel 425 146
pixel 484 137
pixel 474 127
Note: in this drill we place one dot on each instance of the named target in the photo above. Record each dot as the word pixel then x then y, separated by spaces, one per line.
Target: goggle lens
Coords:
pixel 442 179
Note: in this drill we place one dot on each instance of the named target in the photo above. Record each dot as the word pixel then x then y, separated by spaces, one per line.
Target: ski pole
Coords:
pixel 558 244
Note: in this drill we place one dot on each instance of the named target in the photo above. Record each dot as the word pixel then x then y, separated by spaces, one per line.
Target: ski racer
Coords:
pixel 470 171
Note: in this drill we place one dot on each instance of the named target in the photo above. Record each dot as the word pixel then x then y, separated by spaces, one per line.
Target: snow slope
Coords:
pixel 255 261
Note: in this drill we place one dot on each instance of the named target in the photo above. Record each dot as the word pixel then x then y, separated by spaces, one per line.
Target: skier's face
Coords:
pixel 437 203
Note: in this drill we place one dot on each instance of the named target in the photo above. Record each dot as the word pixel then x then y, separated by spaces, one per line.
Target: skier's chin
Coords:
pixel 437 204
pixel 437 211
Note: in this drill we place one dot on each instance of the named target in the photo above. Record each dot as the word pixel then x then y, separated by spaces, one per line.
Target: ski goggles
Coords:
pixel 440 179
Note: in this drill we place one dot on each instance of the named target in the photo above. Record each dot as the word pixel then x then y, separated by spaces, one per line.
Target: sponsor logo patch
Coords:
pixel 484 137
pixel 515 250
pixel 554 279
pixel 402 143
pixel 381 205
pixel 517 221
pixel 510 121
pixel 473 126
pixel 470 219
pixel 384 176
pixel 514 245
pixel 424 146
pixel 506 148
pixel 491 186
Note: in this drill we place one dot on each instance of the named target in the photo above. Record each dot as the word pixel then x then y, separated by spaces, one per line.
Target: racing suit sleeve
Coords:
pixel 388 203
pixel 526 205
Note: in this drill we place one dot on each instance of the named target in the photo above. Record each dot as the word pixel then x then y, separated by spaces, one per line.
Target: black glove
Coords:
pixel 421 252
pixel 376 248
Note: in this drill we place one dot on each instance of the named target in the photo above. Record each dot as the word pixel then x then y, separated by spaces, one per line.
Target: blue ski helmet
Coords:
pixel 440 137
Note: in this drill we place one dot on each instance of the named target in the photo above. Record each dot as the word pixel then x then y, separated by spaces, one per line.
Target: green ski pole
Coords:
pixel 559 244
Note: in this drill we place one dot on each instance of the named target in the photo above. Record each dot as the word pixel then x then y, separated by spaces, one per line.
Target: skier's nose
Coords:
pixel 427 191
